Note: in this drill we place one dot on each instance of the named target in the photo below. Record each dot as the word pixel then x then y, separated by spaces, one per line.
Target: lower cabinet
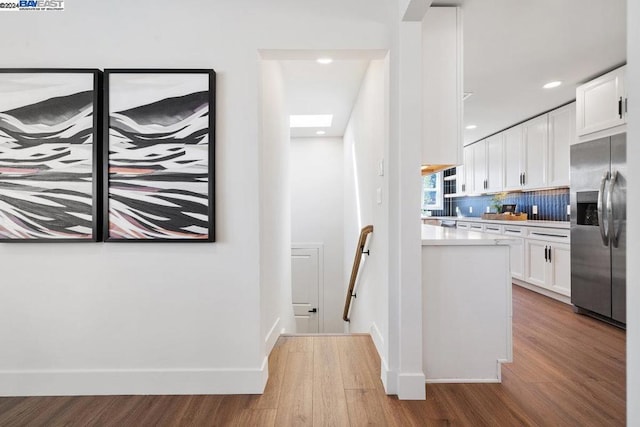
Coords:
pixel 539 256
pixel 517 250
pixel 548 263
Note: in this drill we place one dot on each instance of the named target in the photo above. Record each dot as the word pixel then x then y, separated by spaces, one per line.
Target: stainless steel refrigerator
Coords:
pixel 598 227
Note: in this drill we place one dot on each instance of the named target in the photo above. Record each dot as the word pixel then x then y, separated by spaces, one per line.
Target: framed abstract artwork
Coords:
pixel 159 138
pixel 50 158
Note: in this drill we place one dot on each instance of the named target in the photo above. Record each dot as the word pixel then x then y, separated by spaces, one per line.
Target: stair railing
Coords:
pixel 362 241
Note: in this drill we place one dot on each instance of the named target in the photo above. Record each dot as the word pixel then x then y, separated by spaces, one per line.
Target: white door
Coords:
pixel 305 284
pixel 535 152
pixel 562 134
pixel 512 152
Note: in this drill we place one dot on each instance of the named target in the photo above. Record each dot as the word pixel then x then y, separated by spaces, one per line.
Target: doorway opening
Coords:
pixel 336 114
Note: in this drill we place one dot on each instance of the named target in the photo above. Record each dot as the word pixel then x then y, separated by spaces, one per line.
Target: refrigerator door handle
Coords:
pixel 613 235
pixel 602 224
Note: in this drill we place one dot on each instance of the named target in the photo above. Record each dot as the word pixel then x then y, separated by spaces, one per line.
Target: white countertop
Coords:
pixel 528 223
pixel 433 235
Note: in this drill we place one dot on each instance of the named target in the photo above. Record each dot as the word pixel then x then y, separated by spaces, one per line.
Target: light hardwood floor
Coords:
pixel 567 370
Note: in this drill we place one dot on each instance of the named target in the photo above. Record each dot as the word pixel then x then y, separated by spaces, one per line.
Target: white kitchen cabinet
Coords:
pixel 476 226
pixel 480 167
pixel 536 266
pixel 492 228
pixel 517 250
pixel 535 146
pixel 460 180
pixel 562 134
pixel 512 155
pixel 442 86
pixel 495 161
pixel 548 260
pixel 467 185
pixel 561 268
pixel 483 160
pixel 601 103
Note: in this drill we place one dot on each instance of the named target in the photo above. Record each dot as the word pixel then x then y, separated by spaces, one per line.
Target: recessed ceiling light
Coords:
pixel 551 85
pixel 320 132
pixel 324 61
pixel 471 127
pixel 310 120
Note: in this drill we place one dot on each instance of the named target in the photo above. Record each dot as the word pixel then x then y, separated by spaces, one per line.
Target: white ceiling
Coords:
pixel 511 48
pixel 313 88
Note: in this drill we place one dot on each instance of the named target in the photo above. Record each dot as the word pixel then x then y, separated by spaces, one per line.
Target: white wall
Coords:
pixel 317 216
pixel 633 236
pixel 365 142
pixel 161 318
pixel 274 208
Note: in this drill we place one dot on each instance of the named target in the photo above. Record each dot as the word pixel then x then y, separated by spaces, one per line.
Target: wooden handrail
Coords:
pixel 362 241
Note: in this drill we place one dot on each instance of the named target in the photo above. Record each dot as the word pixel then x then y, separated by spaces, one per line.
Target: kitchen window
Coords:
pixel 432 198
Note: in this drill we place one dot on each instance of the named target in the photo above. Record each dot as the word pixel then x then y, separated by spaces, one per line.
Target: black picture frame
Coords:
pixel 56 102
pixel 155 110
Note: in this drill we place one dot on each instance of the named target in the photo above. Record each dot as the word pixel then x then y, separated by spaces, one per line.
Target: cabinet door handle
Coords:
pixel 524 178
pixel 546 256
pixel 549 253
pixel 620 107
pixel 626 105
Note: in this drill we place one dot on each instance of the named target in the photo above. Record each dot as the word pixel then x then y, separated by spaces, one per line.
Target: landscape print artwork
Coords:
pixel 47 142
pixel 160 155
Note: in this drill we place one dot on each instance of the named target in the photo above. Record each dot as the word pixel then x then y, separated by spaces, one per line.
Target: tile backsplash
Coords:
pixel 551 204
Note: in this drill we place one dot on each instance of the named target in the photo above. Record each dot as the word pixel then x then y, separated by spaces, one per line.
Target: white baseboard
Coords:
pixel 272 336
pixel 133 382
pixel 497 379
pixel 378 341
pixel 411 387
pixel 462 380
pixel 562 298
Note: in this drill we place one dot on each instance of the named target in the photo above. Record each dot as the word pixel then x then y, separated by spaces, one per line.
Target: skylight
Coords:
pixel 311 121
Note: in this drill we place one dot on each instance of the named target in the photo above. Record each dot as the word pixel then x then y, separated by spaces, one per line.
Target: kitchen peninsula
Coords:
pixel 466 305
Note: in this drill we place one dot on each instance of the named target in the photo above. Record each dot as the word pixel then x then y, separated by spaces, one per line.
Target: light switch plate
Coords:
pixel 379 196
pixel 534 209
pixel 381 167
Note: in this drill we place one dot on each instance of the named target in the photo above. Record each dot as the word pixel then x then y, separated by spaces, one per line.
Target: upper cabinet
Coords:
pixel 531 155
pixel 495 162
pixel 562 134
pixel 513 155
pixel 602 103
pixel 534 170
pixel 479 167
pixel 467 178
pixel 442 86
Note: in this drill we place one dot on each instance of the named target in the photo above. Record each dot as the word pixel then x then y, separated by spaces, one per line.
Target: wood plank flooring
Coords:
pixel 568 370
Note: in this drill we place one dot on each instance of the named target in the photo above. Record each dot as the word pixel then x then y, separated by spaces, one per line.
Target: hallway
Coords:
pixel 567 370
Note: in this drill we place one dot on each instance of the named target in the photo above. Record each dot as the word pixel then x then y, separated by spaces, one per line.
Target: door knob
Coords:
pixel 313 310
